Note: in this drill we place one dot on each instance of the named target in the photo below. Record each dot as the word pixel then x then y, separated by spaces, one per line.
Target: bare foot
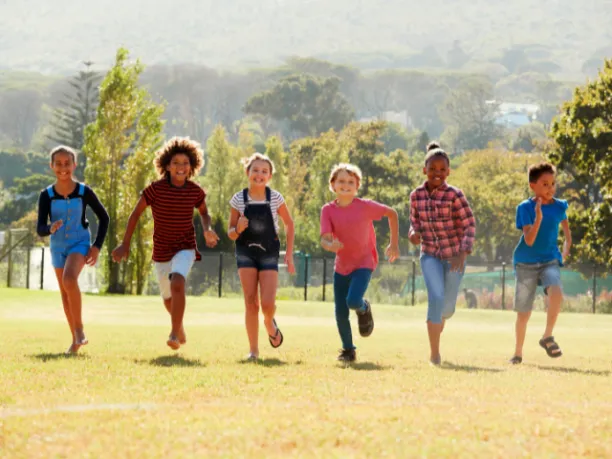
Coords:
pixel 182 337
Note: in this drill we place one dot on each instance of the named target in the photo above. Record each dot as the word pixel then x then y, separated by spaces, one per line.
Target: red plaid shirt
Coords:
pixel 444 220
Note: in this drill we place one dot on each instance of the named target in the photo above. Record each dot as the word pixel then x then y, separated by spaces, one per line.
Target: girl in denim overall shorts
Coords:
pixel 64 204
pixel 253 224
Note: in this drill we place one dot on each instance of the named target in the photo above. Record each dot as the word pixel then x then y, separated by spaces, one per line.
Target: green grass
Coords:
pixel 128 395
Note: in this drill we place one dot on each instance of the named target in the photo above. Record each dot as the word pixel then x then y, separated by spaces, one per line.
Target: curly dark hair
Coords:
pixel 182 146
pixel 537 170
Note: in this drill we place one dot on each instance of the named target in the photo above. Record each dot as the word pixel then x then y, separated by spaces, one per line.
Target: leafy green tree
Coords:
pixel 127 123
pixel 582 136
pixel 23 197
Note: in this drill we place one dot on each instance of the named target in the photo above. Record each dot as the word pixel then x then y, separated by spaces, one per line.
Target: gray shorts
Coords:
pixel 528 277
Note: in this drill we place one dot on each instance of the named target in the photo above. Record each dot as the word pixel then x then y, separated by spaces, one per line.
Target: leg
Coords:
pixel 522 318
pixel 177 288
pixel 555 298
pixel 59 273
pixel 433 273
pixel 524 295
pixel 248 280
pixel 181 335
pixel 360 279
pixel 176 271
pixel 268 282
pixel 341 288
pixel 70 280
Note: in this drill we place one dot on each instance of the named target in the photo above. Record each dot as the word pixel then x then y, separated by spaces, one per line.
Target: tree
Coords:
pixel 20 111
pixel 470 115
pixel 23 197
pixel 582 136
pixel 77 109
pixel 127 123
pixel 308 105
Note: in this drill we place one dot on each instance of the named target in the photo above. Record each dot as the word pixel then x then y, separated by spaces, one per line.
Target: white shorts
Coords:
pixel 181 263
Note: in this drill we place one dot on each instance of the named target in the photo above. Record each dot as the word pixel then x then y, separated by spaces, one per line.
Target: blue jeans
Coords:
pixel 348 294
pixel 442 288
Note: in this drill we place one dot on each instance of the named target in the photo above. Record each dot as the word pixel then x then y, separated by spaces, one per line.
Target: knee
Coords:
pixel 251 303
pixel 70 283
pixel 177 285
pixel 555 292
pixel 268 307
pixel 523 316
pixel 354 301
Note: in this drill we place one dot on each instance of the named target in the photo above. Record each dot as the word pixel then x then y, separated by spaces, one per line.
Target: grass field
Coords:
pixel 128 395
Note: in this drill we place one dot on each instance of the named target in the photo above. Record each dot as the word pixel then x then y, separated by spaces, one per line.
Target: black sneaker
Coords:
pixel 366 321
pixel 347 355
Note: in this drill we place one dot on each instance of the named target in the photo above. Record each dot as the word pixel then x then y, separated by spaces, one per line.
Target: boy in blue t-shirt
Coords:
pixel 537 258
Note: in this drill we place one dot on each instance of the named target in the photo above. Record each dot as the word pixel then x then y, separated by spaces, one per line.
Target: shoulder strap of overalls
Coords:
pixel 245 196
pixel 50 191
pixel 81 190
pixel 268 195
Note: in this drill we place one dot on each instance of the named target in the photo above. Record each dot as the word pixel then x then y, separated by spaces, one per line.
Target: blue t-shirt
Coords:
pixel 544 248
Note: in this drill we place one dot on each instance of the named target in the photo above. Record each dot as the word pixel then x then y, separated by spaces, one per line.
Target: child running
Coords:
pixel 443 224
pixel 64 204
pixel 253 224
pixel 537 257
pixel 347 231
pixel 172 199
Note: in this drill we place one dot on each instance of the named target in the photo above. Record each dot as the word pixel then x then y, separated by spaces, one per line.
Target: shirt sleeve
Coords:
pixel 44 209
pixel 201 197
pixel 149 194
pixel 464 218
pixel 375 210
pixel 524 216
pixel 326 223
pixel 92 201
pixel 415 221
pixel 564 207
pixel 235 202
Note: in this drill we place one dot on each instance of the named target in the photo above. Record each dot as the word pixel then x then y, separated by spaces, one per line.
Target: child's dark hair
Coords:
pixel 537 170
pixel 182 146
pixel 435 151
pixel 62 149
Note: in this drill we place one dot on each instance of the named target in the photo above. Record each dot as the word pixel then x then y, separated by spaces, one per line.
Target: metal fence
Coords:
pixel 586 288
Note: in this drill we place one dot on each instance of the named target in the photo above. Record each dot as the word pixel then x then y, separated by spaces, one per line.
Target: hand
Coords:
pixel 335 245
pixel 566 251
pixel 211 238
pixel 458 262
pixel 243 224
pixel 55 226
pixel 289 263
pixel 121 253
pixel 392 252
pixel 538 209
pixel 414 237
pixel 92 256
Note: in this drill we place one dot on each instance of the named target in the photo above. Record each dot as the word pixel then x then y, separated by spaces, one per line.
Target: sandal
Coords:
pixel 273 338
pixel 516 360
pixel 550 345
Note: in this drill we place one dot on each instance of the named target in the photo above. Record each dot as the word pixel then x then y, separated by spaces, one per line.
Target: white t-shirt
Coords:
pixel 276 200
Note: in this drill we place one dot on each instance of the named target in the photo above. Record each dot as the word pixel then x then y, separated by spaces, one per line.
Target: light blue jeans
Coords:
pixel 442 287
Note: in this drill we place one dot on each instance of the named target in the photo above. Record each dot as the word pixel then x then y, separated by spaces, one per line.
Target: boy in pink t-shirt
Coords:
pixel 347 231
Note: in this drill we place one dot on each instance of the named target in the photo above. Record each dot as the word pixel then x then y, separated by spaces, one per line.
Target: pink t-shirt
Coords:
pixel 352 225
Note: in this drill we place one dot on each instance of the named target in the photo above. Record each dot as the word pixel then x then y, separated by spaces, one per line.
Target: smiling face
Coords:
pixel 259 173
pixel 345 185
pixel 63 165
pixel 179 168
pixel 544 187
pixel 436 170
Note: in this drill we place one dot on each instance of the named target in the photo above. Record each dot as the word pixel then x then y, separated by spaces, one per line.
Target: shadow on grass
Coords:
pixel 265 362
pixel 468 368
pixel 172 361
pixel 50 356
pixel 573 370
pixel 365 366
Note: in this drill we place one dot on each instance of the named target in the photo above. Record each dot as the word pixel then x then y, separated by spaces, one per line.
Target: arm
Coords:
pixel 44 206
pixel 464 218
pixel 567 244
pixel 209 234
pixel 123 250
pixel 283 213
pixel 103 219
pixel 531 231
pixel 392 250
pixel 414 235
pixel 232 231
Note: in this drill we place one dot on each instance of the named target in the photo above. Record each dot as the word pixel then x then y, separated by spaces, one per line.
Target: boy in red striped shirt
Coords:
pixel 172 199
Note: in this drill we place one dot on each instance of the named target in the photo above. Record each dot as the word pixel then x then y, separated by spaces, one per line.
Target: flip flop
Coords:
pixel 273 338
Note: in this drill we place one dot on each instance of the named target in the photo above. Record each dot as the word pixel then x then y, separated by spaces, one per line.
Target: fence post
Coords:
pixel 306 257
pixel 324 275
pixel 413 279
pixel 220 286
pixel 503 299
pixel 10 258
pixel 594 287
pixel 28 248
pixel 42 268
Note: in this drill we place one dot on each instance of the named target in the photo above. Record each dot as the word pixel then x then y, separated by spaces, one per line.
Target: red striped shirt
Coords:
pixel 172 208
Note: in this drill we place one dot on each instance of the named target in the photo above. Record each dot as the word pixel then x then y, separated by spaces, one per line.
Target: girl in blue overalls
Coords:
pixel 63 204
pixel 253 224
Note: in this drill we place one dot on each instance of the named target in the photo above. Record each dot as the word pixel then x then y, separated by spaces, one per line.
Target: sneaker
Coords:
pixel 347 355
pixel 173 342
pixel 366 321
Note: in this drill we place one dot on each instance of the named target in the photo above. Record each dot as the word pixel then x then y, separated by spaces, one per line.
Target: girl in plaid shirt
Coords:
pixel 443 224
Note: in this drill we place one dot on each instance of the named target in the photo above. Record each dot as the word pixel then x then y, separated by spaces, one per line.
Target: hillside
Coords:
pixel 54 37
